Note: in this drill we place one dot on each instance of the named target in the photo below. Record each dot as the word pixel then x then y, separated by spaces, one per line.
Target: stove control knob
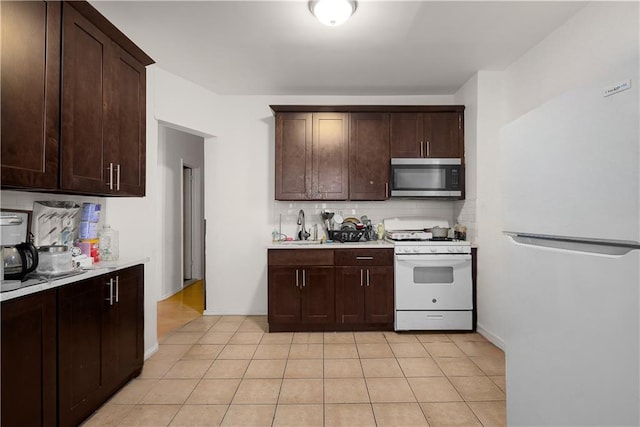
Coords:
pixel 452 250
pixel 434 249
pixel 416 249
pixel 460 249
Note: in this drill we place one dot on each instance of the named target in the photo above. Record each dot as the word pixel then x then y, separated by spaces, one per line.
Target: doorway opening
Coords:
pixel 181 160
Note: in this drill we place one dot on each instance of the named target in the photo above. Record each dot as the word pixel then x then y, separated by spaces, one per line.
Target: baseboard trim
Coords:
pixel 216 313
pixel 493 338
pixel 150 352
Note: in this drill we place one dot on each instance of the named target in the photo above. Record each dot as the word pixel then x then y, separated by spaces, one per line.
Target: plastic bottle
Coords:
pixel 108 244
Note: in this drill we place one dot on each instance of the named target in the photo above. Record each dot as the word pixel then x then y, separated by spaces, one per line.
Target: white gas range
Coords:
pixel 433 284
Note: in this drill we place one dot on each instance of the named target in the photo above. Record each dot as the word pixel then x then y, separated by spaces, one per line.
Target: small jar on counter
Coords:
pixel 109 244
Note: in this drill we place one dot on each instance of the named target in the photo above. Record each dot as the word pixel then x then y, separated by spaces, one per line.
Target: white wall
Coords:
pixel 175 150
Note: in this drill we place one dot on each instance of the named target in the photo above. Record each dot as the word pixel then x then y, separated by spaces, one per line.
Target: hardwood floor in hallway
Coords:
pixel 181 308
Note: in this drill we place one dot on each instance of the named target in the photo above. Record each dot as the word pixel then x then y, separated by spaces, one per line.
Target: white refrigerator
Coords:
pixel 571 188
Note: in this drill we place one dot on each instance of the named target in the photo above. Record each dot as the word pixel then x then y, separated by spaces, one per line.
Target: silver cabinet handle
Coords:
pixel 110 169
pixel 118 287
pixel 304 278
pixel 297 285
pixel 361 278
pixel 386 189
pixel 364 257
pixel 118 177
pixel 110 299
pixel 421 148
pixel 368 277
pixel 428 148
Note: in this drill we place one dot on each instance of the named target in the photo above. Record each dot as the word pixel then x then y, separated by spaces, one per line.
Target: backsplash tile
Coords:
pixel 376 211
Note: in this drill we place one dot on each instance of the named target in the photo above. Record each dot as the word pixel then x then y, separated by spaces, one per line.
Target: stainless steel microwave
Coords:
pixel 422 177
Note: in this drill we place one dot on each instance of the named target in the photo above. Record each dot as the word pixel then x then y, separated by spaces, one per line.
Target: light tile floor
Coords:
pixel 228 371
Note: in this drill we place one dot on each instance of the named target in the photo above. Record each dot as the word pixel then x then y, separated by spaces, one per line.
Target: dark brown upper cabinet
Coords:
pixel 369 156
pixel 69 71
pixel 436 134
pixel 103 112
pixel 30 81
pixel 312 156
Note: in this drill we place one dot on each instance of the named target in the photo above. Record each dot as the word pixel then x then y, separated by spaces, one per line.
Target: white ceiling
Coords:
pixel 386 48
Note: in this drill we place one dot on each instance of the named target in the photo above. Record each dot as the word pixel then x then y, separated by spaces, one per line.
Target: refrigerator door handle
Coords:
pixel 579 244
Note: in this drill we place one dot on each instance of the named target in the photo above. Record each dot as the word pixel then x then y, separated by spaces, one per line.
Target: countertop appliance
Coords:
pixel 433 282
pixel 19 257
pixel 422 177
pixel 571 184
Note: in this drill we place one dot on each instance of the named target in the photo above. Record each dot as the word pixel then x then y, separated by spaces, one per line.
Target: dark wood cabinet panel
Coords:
pixel 364 295
pixel 293 156
pixel 379 302
pixel 442 135
pixel 73 101
pixel 86 62
pixel 30 81
pixel 100 340
pixel 350 295
pixel 284 295
pixel 407 135
pixel 437 134
pixel 326 289
pixel 127 133
pixel 126 321
pixel 318 295
pixel 311 159
pixel 301 289
pixel 82 363
pixel 369 156
pixel 330 170
pixel 28 391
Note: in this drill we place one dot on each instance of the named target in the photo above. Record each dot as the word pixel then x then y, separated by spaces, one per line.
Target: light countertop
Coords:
pixel 32 286
pixel 296 244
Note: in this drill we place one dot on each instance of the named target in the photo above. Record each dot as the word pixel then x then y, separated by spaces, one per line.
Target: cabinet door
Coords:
pixel 126 126
pixel 350 295
pixel 369 160
pixel 318 293
pixel 330 172
pixel 407 140
pixel 293 156
pixel 82 334
pixel 379 295
pixel 126 325
pixel 86 65
pixel 284 294
pixel 443 134
pixel 30 81
pixel 29 360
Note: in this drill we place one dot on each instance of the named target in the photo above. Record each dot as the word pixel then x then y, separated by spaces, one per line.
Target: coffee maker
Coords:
pixel 20 256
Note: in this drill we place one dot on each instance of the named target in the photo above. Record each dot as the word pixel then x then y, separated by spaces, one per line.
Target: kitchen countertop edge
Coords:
pixel 376 244
pixel 95 270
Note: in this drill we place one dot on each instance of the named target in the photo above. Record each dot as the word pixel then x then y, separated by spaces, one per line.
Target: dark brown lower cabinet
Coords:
pixel 324 290
pixel 100 347
pixel 301 290
pixel 364 288
pixel 65 351
pixel 29 360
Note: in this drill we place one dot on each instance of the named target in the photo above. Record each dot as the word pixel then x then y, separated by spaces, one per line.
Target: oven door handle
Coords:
pixel 435 260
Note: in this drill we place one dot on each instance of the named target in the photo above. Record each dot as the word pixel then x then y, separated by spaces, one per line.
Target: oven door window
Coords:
pixel 433 275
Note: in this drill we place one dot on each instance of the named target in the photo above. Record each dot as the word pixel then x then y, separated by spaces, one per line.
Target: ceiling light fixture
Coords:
pixel 332 12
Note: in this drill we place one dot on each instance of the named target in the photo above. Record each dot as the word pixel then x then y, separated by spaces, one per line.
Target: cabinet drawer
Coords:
pixel 302 257
pixel 363 256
